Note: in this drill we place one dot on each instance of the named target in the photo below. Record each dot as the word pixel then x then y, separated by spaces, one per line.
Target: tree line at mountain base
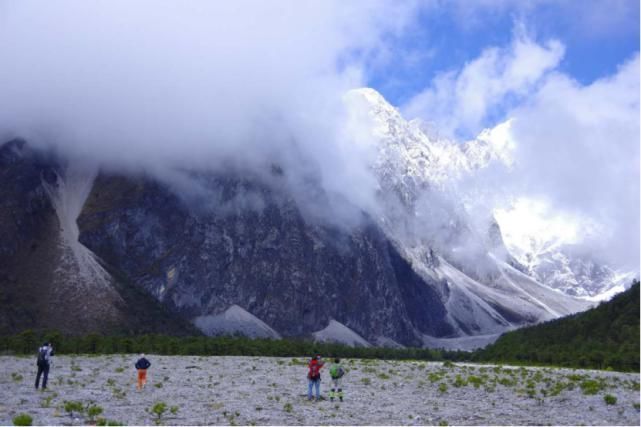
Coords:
pixel 605 337
pixel 28 341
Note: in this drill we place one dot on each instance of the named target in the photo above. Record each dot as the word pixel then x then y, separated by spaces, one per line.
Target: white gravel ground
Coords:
pixel 262 390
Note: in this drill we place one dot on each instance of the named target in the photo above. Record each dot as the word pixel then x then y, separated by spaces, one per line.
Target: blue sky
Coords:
pixel 598 37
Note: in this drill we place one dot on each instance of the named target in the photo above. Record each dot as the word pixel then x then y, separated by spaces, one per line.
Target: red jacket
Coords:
pixel 314 369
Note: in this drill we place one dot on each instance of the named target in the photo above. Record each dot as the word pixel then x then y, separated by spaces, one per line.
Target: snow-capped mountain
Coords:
pixel 414 160
pixel 419 269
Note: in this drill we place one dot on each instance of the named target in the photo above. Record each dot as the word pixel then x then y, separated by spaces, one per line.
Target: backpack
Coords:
pixel 314 371
pixel 42 356
pixel 336 371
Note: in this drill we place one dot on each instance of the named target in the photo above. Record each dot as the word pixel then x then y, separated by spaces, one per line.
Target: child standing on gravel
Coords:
pixel 142 365
pixel 336 371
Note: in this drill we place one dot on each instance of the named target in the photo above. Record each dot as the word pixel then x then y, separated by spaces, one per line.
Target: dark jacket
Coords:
pixel 47 351
pixel 143 363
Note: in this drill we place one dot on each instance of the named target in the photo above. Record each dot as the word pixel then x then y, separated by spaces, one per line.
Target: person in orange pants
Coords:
pixel 142 365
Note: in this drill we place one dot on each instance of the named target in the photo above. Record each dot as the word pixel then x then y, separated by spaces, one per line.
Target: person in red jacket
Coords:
pixel 314 377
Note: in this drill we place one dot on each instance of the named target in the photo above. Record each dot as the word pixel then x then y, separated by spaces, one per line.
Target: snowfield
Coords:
pixel 263 390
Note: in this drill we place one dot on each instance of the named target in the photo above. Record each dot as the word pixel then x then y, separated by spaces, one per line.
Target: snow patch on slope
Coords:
pixel 235 320
pixel 68 194
pixel 337 332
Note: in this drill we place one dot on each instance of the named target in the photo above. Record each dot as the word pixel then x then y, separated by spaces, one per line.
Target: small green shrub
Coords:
pixel 287 407
pixel 609 399
pixel 459 382
pixel 475 381
pixel 158 410
pixel 72 406
pixel 442 387
pixel 93 411
pixel 174 410
pixel 591 386
pixel 106 422
pixel 22 420
pixel 433 377
pixel 16 377
pixel 46 402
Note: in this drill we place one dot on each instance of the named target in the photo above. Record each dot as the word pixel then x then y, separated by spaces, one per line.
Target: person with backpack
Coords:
pixel 142 365
pixel 43 363
pixel 314 377
pixel 336 371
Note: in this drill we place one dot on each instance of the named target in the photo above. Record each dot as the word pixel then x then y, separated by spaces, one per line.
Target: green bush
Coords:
pixel 609 399
pixel 72 406
pixel 22 420
pixel 93 411
pixel 590 387
pixel 158 410
pixel 106 422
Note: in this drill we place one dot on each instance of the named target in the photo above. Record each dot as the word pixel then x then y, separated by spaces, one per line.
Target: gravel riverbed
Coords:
pixel 272 391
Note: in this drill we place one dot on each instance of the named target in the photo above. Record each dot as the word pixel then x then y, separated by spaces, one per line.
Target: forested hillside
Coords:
pixel 604 337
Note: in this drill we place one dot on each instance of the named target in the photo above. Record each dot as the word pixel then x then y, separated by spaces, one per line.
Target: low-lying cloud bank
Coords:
pixel 162 84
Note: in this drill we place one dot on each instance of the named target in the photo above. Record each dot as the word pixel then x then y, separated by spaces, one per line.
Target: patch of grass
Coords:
pixel 590 387
pixel 575 377
pixel 475 381
pixel 287 407
pixel 120 370
pixel 22 420
pixel 384 376
pixel 93 411
pixel 609 399
pixel 106 422
pixel 442 387
pixel 448 364
pixel 16 377
pixel 366 381
pixel 459 381
pixel 636 406
pixel 73 406
pixel 434 377
pixel 507 382
pixel 158 410
pixel 158 385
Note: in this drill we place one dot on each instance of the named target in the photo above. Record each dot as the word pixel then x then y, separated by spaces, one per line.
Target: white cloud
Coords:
pixel 459 102
pixel 578 147
pixel 197 83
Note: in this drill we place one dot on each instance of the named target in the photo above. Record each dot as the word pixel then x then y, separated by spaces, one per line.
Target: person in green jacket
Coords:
pixel 336 372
